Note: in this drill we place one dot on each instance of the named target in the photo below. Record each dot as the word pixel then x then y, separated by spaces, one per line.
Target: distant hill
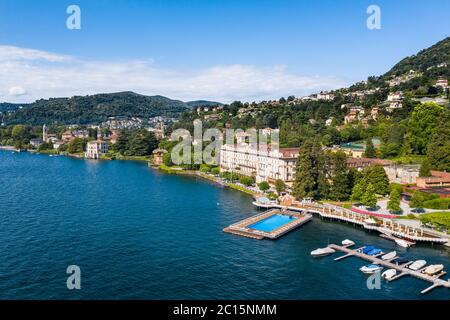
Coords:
pixel 425 61
pixel 94 108
pixel 203 103
pixel 5 106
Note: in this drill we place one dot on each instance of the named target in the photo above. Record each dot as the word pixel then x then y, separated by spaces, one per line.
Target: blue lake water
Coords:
pixel 140 234
pixel 271 223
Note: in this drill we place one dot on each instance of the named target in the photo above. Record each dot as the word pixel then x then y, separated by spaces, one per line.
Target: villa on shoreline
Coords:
pixel 262 162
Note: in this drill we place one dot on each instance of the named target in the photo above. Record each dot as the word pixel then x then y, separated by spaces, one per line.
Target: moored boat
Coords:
pixel 322 252
pixel 347 243
pixel 374 252
pixel 389 256
pixel 433 269
pixel 402 243
pixel 371 268
pixel 389 274
pixel 418 264
pixel 367 249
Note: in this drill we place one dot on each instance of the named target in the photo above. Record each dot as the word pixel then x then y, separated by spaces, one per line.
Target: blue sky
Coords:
pixel 198 49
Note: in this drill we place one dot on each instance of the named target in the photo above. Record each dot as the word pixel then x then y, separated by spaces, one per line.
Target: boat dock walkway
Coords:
pixel 384 226
pixel 435 280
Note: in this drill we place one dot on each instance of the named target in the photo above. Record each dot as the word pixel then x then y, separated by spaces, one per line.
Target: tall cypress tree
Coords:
pixel 339 175
pixel 309 175
pixel 370 151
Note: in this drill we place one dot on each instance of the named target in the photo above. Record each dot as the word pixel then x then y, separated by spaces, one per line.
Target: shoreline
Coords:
pixel 162 168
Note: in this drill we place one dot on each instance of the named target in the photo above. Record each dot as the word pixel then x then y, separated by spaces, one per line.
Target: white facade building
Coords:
pixel 264 165
pixel 95 149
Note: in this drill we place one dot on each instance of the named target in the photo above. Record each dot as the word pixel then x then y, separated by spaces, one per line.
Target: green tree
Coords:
pixel 369 198
pixel 21 134
pixel 247 181
pixel 141 143
pixel 370 151
pixel 205 168
pixel 438 150
pixel 422 125
pixel 308 171
pixel 425 169
pixel 341 185
pixel 280 186
pixel 77 145
pixel 167 159
pixel 357 192
pixel 215 170
pixel 263 186
pixel 394 198
pixel 376 176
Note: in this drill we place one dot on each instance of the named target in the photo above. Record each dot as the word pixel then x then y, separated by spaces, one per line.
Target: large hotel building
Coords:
pixel 262 163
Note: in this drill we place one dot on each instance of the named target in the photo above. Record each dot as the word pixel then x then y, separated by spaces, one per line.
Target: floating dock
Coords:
pixel 402 269
pixel 242 228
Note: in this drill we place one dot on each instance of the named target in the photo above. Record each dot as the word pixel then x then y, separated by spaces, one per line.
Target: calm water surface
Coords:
pixel 140 234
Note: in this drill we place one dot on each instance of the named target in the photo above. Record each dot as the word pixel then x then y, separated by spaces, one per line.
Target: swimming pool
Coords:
pixel 271 223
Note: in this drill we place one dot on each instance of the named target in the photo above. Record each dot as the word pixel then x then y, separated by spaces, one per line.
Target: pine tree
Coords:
pixel 357 192
pixel 425 169
pixel 308 174
pixel 370 151
pixel 369 198
pixel 394 198
pixel 376 176
pixel 340 179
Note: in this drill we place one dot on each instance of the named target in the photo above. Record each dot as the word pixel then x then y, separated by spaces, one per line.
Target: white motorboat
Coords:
pixel 418 264
pixel 402 243
pixel 389 256
pixel 433 269
pixel 389 274
pixel 371 268
pixel 348 243
pixel 322 252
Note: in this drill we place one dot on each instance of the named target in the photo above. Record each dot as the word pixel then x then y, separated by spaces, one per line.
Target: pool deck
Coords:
pixel 241 228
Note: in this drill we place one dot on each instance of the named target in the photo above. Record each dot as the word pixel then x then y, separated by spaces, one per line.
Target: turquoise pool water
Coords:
pixel 271 223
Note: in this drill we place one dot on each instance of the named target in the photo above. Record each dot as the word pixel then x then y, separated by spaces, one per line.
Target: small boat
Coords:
pixel 389 274
pixel 374 252
pixel 418 264
pixel 433 269
pixel 348 243
pixel 367 249
pixel 402 243
pixel 389 256
pixel 322 252
pixel 401 261
pixel 371 268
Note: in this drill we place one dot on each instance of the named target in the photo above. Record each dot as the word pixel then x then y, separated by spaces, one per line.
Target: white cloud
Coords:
pixel 16 91
pixel 47 75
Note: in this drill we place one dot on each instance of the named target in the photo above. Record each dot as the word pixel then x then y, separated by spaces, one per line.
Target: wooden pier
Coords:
pixel 402 269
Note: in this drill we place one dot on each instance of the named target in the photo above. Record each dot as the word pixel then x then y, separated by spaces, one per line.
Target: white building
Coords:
pixel 264 165
pixel 95 149
pixel 395 101
pixel 443 83
pixel 325 96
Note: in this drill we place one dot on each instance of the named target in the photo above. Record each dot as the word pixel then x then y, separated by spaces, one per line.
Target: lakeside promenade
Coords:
pixel 382 225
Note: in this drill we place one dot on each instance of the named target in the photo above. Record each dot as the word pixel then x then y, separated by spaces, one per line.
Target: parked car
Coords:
pixel 418 210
